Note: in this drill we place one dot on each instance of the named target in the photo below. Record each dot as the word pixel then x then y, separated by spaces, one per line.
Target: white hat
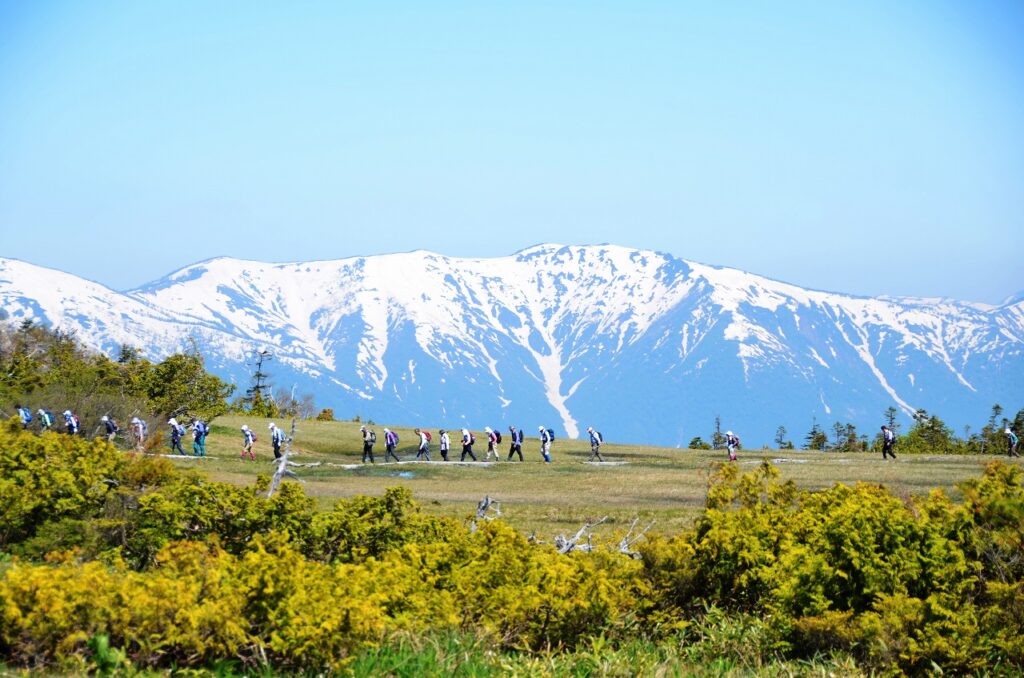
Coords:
pixel 589 429
pixel 387 430
pixel 271 425
pixel 135 420
pixel 245 427
pixel 169 421
pixel 487 429
pixel 540 428
pixel 40 411
pixel 362 428
pixel 67 413
pixel 728 433
pixel 104 418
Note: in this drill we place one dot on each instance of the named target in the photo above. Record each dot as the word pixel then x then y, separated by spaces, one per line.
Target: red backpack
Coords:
pixel 427 434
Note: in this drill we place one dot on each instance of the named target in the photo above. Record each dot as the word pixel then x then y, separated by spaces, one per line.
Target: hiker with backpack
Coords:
pixel 369 438
pixel 517 443
pixel 888 442
pixel 595 444
pixel 45 420
pixel 390 441
pixel 547 436
pixel 199 433
pixel 177 433
pixel 445 444
pixel 138 427
pixel 111 428
pixel 277 439
pixel 467 445
pixel 1011 442
pixel 493 440
pixel 25 415
pixel 424 448
pixel 71 423
pixel 732 443
pixel 248 440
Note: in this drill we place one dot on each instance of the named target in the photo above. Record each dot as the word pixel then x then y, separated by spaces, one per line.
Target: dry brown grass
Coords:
pixel 667 485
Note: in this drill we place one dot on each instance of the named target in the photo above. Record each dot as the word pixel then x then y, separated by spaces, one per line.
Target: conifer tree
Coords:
pixel 717 438
pixel 816 439
pixel 780 437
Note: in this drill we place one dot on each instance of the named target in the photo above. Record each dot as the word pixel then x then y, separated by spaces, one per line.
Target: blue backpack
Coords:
pixel 551 435
pixel 26 414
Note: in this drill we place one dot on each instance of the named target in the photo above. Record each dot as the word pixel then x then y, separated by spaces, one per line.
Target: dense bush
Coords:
pixel 49 369
pixel 119 558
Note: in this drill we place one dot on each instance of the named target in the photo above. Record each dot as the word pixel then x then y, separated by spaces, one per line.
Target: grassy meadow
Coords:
pixel 653 483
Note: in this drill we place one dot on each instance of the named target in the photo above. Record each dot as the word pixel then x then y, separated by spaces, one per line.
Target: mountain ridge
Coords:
pixel 544 332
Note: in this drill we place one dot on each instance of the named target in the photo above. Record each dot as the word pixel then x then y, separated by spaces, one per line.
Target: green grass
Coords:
pixel 663 484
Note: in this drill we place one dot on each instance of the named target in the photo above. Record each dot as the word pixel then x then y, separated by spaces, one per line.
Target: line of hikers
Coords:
pixel 277 438
pixel 139 430
pixel 468 439
pixel 73 425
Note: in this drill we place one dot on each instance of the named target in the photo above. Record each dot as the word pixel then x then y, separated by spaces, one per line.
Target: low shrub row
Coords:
pixel 165 569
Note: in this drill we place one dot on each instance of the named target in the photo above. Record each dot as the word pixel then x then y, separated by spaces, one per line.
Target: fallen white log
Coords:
pixel 568 544
pixel 283 464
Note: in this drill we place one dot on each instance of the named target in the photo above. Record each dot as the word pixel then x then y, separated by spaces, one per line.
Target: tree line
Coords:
pixel 928 434
pixel 50 369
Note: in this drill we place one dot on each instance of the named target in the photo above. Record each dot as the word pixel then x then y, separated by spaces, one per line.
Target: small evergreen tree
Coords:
pixel 780 437
pixel 698 444
pixel 717 438
pixel 815 438
pixel 890 418
pixel 929 434
pixel 991 435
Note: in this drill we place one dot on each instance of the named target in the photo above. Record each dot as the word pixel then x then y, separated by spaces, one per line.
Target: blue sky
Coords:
pixel 869 147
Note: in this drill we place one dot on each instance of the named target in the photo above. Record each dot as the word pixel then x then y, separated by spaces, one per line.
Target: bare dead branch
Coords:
pixel 568 544
pixel 628 540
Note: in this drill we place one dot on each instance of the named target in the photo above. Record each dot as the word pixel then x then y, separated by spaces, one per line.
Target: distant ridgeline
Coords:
pixel 647 347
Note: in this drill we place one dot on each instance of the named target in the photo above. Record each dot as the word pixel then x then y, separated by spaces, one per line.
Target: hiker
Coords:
pixel 111 427
pixel 888 442
pixel 546 436
pixel 446 444
pixel 139 428
pixel 390 440
pixel 25 415
pixel 177 433
pixel 369 438
pixel 277 438
pixel 595 444
pixel 199 431
pixel 732 443
pixel 493 440
pixel 71 423
pixel 1011 442
pixel 45 420
pixel 248 440
pixel 517 443
pixel 424 448
pixel 467 445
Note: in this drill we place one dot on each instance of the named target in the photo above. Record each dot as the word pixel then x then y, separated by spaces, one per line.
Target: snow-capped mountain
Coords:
pixel 643 346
